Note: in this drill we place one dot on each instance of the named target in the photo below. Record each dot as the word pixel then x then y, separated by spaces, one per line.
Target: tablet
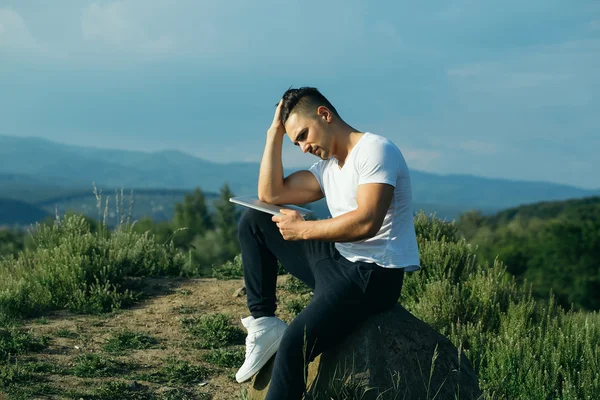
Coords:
pixel 252 201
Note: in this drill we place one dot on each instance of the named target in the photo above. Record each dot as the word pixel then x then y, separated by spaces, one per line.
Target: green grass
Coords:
pixel 295 305
pixel 295 286
pixel 14 341
pixel 230 270
pixel 96 365
pixel 213 330
pixel 14 373
pixel 177 372
pixel 185 310
pixel 41 321
pixel 129 340
pixel 115 390
pixel 227 358
pixel 66 333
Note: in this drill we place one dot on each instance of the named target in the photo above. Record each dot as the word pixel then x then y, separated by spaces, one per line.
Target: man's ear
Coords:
pixel 324 113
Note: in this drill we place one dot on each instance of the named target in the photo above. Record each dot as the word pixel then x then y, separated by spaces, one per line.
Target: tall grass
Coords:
pixel 520 349
pixel 72 267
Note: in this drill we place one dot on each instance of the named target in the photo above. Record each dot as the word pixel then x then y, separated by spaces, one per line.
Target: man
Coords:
pixel 354 262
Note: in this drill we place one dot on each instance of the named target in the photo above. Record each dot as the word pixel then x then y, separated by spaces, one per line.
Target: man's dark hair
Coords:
pixel 304 100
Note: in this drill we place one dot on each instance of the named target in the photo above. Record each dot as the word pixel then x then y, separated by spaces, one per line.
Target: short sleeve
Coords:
pixel 317 170
pixel 379 163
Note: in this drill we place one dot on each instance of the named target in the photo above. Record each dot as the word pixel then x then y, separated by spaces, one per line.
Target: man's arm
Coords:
pixel 301 187
pixel 373 200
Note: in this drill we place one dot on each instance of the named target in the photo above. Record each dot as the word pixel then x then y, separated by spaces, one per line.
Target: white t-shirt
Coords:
pixel 373 159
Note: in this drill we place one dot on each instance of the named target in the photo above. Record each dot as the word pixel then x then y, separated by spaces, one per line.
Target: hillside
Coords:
pixel 553 245
pixel 17 212
pixel 72 166
pixel 585 208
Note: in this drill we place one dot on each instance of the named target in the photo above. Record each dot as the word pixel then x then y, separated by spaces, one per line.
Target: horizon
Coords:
pixel 293 167
pixel 499 91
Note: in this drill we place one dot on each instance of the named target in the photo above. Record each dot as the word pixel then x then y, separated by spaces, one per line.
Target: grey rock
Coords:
pixel 392 355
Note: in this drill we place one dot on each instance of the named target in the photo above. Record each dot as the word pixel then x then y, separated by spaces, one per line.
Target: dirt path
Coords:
pixel 158 316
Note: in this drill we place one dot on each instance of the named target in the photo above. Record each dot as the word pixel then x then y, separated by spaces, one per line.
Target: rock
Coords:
pixel 392 353
pixel 239 292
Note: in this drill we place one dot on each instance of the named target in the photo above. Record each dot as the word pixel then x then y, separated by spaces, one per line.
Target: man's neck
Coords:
pixel 347 139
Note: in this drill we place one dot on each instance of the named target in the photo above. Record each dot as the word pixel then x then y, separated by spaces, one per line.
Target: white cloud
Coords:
pixel 113 25
pixel 421 159
pixel 477 147
pixel 14 32
pixel 533 78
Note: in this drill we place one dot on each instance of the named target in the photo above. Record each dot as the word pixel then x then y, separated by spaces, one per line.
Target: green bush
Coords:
pixel 520 348
pixel 72 267
pixel 230 270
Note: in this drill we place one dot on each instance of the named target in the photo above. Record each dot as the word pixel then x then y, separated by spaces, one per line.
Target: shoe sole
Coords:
pixel 268 354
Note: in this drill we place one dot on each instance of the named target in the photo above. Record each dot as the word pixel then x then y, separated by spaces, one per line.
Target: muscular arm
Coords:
pixel 364 222
pixel 301 187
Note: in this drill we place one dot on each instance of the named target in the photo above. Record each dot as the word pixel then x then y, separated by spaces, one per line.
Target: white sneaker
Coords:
pixel 264 336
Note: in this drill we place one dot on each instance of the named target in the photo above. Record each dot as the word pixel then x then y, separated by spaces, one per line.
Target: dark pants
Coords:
pixel 345 294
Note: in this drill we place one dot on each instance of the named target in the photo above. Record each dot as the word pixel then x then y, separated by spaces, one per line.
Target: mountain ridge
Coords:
pixel 52 163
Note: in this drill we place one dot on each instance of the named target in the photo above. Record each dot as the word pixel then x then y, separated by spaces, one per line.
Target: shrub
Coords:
pixel 69 266
pixel 230 270
pixel 519 348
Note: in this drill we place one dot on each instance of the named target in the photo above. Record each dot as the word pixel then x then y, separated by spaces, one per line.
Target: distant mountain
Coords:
pixel 14 212
pixel 39 163
pixel 73 166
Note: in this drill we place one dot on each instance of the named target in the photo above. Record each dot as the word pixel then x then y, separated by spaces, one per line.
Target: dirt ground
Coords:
pixel 159 315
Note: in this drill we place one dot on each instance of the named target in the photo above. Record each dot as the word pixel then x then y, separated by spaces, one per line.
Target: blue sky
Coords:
pixel 499 89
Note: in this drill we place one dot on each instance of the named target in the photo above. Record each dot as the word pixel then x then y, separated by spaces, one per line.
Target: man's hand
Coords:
pixel 277 127
pixel 290 224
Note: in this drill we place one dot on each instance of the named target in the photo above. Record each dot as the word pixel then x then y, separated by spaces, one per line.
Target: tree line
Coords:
pixel 552 245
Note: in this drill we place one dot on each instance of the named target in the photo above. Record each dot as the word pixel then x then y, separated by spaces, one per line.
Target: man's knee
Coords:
pixel 251 219
pixel 293 342
pixel 301 337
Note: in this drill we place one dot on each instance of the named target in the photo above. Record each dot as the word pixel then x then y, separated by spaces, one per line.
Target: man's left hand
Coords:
pixel 291 224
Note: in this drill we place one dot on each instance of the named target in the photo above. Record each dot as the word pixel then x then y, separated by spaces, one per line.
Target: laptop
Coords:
pixel 252 201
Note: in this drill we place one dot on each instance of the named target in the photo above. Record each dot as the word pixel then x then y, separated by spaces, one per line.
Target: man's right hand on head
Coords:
pixel 277 127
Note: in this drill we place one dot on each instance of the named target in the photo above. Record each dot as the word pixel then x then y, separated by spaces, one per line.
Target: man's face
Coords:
pixel 312 135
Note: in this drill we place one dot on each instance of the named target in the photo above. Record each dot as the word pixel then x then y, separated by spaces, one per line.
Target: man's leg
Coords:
pixel 262 245
pixel 341 304
pixel 337 307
